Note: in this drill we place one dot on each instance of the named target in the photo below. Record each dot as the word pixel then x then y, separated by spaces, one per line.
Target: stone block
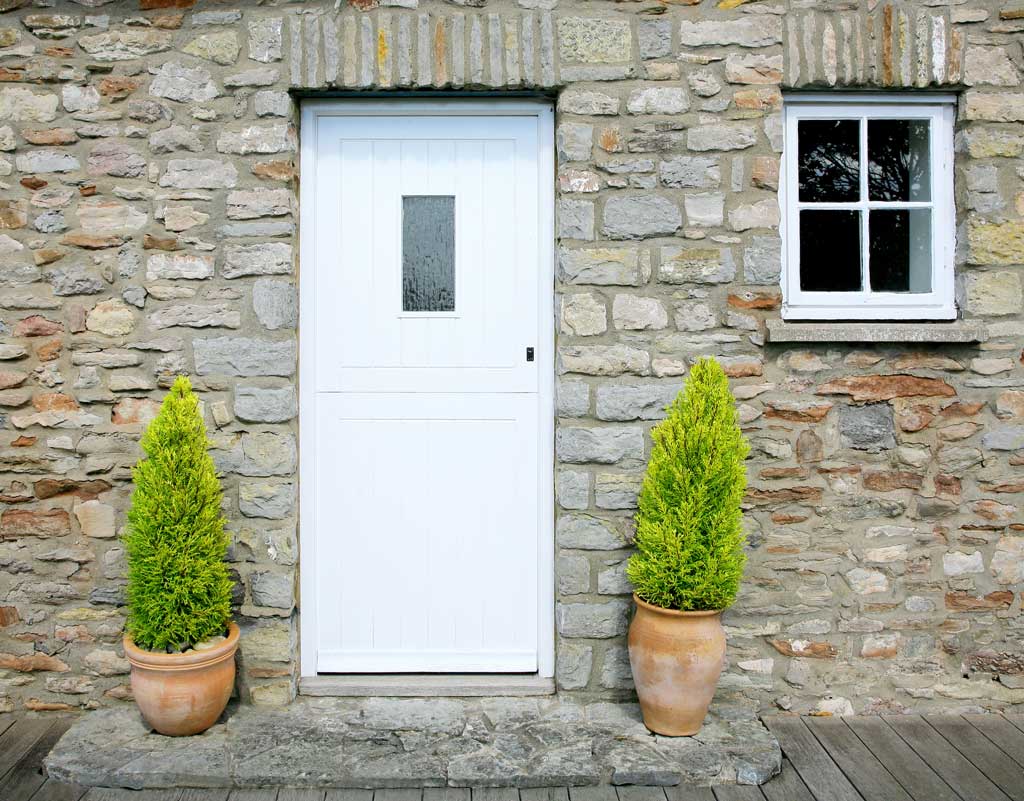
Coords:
pixel 640 216
pixel 867 428
pixel 592 620
pixel 244 356
pixel 262 405
pixel 576 445
pixel 589 40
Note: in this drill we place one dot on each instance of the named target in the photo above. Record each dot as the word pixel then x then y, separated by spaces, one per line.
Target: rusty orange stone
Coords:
pixel 33 183
pixel 36 705
pixel 51 136
pixel 892 480
pixel 117 87
pixel 805 648
pixel 54 402
pixel 34 523
pixel 49 351
pixel 962 601
pixel 36 326
pixel 875 388
pixel 23 442
pixel 755 300
pixel 29 663
pixel 274 170
pixel 52 487
pixel 150 242
pixel 47 256
pixel 157 5
pixel 761 497
pixel 91 242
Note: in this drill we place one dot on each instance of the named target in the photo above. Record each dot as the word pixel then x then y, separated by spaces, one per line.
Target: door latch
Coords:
pixel 529 354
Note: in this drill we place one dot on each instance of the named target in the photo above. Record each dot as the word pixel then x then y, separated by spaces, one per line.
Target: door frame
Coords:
pixel 543 110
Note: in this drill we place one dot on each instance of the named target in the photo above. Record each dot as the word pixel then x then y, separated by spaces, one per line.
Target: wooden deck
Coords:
pixel 890 758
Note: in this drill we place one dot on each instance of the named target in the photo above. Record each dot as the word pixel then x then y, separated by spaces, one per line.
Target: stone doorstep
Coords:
pixel 403 742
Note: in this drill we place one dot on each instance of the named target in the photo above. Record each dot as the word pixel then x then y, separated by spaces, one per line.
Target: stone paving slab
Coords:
pixel 402 742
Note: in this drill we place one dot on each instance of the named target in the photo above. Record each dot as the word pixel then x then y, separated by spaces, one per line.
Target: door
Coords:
pixel 426 409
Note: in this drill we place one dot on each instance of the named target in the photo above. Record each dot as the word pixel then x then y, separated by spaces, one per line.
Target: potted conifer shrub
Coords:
pixel 689 553
pixel 180 641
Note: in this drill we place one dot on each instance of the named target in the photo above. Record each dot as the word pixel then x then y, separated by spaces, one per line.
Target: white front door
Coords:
pixel 426 352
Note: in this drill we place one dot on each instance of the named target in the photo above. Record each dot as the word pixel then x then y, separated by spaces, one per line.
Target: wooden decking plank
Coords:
pixel 854 759
pixel 351 795
pixel 18 740
pixel 205 794
pixel 121 794
pixel 910 770
pixel 254 794
pixel 1000 731
pixel 59 791
pixel 487 794
pixel 635 793
pixel 1015 718
pixel 1002 771
pixel 689 792
pixel 435 794
pixel 821 775
pixel 954 768
pixel 300 794
pixel 738 792
pixel 22 782
pixel 602 792
pixel 6 721
pixel 544 794
pixel 401 794
pixel 787 786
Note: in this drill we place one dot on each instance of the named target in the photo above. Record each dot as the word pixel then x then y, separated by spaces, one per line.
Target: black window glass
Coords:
pixel 829 161
pixel 901 241
pixel 830 251
pixel 898 160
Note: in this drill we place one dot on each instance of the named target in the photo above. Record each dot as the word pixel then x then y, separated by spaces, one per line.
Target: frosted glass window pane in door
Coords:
pixel 428 253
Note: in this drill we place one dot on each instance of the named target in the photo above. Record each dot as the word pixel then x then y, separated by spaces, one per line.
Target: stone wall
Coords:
pixel 149 213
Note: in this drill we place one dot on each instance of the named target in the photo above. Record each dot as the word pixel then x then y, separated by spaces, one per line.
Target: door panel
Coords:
pixel 425 426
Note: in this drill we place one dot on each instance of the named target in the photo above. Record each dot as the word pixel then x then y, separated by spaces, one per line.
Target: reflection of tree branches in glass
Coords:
pixel 898 160
pixel 829 161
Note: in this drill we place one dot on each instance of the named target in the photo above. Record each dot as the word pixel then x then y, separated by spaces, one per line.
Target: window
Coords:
pixel 868 208
pixel 428 253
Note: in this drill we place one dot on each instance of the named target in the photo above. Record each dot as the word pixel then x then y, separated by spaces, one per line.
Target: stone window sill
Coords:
pixel 959 331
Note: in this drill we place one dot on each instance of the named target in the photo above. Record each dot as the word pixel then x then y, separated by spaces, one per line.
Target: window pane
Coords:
pixel 901 247
pixel 830 251
pixel 829 161
pixel 898 160
pixel 428 253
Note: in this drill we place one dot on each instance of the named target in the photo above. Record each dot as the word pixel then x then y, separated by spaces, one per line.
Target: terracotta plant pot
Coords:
pixel 677 658
pixel 180 694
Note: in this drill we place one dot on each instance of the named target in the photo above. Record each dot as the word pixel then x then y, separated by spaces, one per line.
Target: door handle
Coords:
pixel 529 354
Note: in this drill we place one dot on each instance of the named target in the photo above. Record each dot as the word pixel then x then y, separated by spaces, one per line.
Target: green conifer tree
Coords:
pixel 689 527
pixel 179 591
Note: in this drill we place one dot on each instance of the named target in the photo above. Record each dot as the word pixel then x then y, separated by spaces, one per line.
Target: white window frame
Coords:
pixel 940 303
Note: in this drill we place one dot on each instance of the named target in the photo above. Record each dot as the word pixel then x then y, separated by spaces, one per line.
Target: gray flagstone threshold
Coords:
pixel 406 742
